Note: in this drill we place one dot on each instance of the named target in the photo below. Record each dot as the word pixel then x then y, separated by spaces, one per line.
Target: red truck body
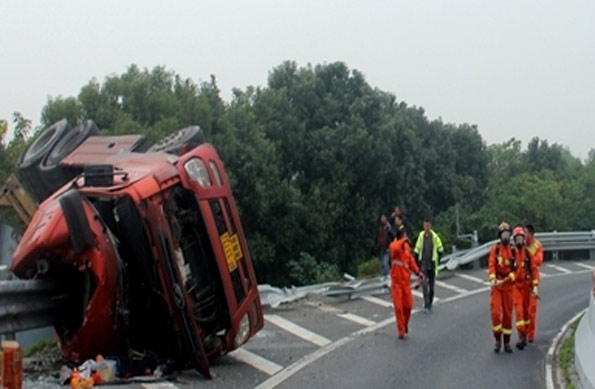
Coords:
pixel 153 252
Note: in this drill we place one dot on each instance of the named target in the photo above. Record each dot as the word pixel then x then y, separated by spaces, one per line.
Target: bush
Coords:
pixel 369 268
pixel 309 271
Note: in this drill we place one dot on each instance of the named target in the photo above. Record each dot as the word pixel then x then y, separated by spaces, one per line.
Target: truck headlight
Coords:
pixel 243 332
pixel 196 170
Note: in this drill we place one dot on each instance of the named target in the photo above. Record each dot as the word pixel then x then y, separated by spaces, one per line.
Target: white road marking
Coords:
pixel 472 278
pixel 377 301
pixel 583 265
pixel 451 287
pixel 159 385
pixel 296 330
pixel 357 319
pixel 297 366
pixel 341 313
pixel 559 268
pixel 420 295
pixel 316 355
pixel 255 361
pixel 549 359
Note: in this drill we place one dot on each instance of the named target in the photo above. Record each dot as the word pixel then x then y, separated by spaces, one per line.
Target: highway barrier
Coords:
pixel 584 344
pixel 552 242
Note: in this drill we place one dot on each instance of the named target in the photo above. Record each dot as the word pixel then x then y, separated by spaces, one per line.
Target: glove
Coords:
pixel 421 276
pixel 535 291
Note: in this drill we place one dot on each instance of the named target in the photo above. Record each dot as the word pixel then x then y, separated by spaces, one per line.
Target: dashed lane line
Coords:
pixel 159 385
pixel 451 287
pixel 255 361
pixel 341 313
pixel 583 265
pixel 297 330
pixel 472 278
pixel 297 366
pixel 357 319
pixel 559 268
pixel 377 301
pixel 420 295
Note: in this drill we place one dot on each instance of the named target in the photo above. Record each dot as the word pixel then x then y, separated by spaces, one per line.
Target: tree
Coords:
pixel 59 108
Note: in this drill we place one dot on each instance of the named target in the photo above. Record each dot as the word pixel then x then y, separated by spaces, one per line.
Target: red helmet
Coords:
pixel 518 231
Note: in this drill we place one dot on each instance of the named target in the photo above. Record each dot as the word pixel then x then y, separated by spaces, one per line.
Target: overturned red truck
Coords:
pixel 147 240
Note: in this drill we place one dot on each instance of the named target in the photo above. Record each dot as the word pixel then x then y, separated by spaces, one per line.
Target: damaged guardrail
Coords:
pixel 552 241
pixel 273 297
pixel 28 304
pixel 585 344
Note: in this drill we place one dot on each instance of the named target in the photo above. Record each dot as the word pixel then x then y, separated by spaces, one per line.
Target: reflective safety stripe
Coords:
pixel 521 323
pixel 535 281
pixel 492 276
pixel 507 331
pixel 497 328
pixel 396 262
pixel 512 276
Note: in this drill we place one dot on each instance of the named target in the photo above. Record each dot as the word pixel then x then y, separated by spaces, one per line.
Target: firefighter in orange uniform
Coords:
pixel 527 280
pixel 536 249
pixel 402 264
pixel 501 268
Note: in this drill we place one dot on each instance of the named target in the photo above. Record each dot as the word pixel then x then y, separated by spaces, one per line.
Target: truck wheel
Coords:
pixel 30 159
pixel 180 141
pixel 54 175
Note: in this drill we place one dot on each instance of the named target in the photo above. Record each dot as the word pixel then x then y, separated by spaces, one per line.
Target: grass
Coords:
pixel 567 356
pixel 40 345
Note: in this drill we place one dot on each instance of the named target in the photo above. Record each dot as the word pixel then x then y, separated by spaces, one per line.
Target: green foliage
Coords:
pixel 40 346
pixel 307 270
pixel 58 108
pixel 315 155
pixel 369 268
pixel 566 356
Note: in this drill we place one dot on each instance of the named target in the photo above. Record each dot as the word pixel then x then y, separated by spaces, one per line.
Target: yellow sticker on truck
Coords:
pixel 230 256
pixel 237 249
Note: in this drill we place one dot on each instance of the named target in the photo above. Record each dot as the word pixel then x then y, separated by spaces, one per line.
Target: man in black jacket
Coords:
pixel 385 237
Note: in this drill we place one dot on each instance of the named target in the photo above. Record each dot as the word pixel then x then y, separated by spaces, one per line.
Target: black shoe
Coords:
pixel 507 348
pixel 407 329
pixel 520 345
pixel 401 337
pixel 497 347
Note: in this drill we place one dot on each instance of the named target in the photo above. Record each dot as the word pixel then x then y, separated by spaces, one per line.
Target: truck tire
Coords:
pixel 180 141
pixel 30 159
pixel 54 175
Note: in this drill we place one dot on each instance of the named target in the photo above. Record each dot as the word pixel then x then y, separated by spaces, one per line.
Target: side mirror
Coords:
pixel 79 230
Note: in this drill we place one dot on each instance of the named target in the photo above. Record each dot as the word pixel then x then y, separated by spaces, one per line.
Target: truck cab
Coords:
pixel 152 252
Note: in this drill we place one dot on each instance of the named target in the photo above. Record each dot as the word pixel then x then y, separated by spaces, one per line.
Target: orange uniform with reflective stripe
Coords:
pixel 536 249
pixel 527 275
pixel 402 263
pixel 501 267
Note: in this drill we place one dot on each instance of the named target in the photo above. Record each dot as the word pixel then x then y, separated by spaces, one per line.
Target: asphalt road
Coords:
pixel 449 348
pixel 344 343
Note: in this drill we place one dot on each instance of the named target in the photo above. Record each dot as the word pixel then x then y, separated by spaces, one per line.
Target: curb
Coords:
pixel 551 380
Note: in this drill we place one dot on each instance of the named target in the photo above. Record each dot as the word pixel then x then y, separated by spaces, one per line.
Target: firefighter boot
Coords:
pixel 507 347
pixel 498 344
pixel 522 341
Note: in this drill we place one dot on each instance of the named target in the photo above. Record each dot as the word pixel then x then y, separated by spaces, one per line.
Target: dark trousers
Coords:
pixel 428 287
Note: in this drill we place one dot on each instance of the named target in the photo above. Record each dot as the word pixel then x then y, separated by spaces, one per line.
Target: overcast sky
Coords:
pixel 514 68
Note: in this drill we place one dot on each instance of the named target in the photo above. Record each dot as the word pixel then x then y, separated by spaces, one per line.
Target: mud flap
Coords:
pixel 81 236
